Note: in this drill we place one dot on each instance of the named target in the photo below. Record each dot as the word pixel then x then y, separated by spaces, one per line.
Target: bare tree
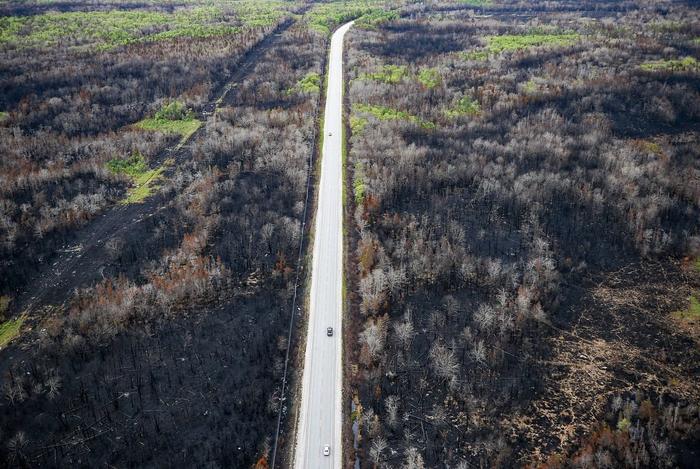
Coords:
pixel 391 405
pixel 379 444
pixel 414 460
pixel 404 330
pixel 443 361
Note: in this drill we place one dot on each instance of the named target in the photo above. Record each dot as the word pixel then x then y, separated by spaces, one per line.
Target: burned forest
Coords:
pixel 518 248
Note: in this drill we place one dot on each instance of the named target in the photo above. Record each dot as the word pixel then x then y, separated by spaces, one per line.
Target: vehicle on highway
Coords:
pixel 329 331
pixel 327 450
pixel 330 133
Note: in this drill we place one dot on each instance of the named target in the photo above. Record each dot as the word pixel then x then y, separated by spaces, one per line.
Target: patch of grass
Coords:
pixel 476 55
pixel 357 124
pixel 311 83
pixel 144 180
pixel 391 74
pixel 9 330
pixel 173 118
pixel 184 127
pixel 144 186
pixel 466 106
pixel 507 42
pixel 672 65
pixel 386 113
pixel 515 42
pixel 133 166
pixel 429 77
pixel 4 115
pixel 693 310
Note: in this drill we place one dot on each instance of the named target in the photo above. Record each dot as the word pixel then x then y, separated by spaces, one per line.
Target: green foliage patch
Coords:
pixel 311 83
pixel 692 311
pixel 175 110
pixel 672 65
pixel 429 77
pixel 386 113
pixel 477 55
pixel 108 29
pixel 498 44
pixel 357 124
pixel 144 180
pixel 172 118
pixel 184 127
pixel 391 74
pixel 373 18
pixel 323 17
pixel 133 166
pixel 9 330
pixel 466 106
pixel 515 42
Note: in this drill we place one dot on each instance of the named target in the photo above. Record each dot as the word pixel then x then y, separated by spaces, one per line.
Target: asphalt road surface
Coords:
pixel 320 420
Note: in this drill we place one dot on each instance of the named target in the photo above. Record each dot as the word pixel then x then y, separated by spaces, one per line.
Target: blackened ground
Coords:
pixel 192 394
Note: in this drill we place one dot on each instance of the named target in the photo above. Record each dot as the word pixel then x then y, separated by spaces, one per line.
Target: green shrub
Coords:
pixel 144 180
pixel 172 118
pixel 429 77
pixel 311 83
pixel 672 65
pixel 357 124
pixel 465 106
pixel 623 424
pixel 477 55
pixel 514 42
pixel 391 74
pixel 133 166
pixel 375 17
pixel 386 113
pixel 174 111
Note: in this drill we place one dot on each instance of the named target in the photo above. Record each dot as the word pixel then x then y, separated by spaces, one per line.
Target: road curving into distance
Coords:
pixel 320 420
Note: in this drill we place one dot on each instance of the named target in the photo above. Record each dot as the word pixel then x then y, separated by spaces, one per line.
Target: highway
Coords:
pixel 320 420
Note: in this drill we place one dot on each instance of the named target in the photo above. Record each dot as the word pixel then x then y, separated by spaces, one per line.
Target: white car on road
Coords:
pixel 327 450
